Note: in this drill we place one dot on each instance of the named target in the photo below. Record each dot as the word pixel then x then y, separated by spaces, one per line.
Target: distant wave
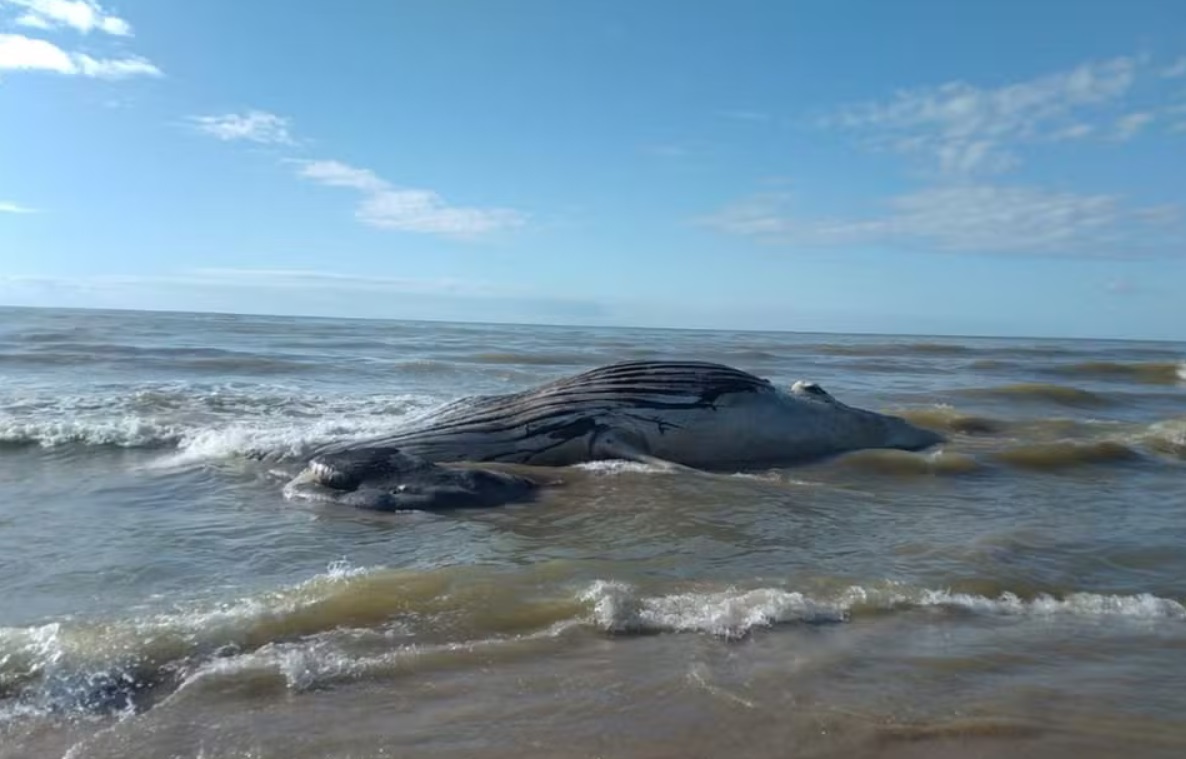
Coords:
pixel 349 623
pixel 1040 445
pixel 172 360
pixel 1153 373
pixel 1037 391
pixel 895 349
pixel 530 359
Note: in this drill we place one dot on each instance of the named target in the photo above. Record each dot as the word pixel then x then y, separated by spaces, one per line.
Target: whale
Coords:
pixel 676 415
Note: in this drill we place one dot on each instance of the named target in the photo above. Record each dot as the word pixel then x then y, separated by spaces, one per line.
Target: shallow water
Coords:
pixel 1017 592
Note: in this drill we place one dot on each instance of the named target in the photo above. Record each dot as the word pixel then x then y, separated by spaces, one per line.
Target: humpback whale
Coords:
pixel 674 414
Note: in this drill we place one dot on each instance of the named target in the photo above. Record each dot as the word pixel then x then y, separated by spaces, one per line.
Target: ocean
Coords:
pixel 1015 592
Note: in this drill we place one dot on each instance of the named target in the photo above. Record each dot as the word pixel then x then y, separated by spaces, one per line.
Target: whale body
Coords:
pixel 674 414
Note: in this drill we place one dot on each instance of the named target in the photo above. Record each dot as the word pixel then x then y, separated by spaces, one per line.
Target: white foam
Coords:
pixel 118 650
pixel 325 658
pixel 1140 606
pixel 122 432
pixel 304 652
pixel 618 466
pixel 25 651
pixel 1167 436
pixel 202 422
pixel 619 608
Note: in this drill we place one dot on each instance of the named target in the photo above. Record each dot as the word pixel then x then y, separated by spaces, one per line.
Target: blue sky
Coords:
pixel 1005 168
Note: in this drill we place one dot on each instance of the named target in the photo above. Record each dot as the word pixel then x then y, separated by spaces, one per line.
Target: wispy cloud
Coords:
pixel 314 279
pixel 1175 70
pixel 963 132
pixel 972 219
pixel 409 209
pixel 253 126
pixel 262 279
pixel 20 53
pixel 963 129
pixel 746 115
pixel 337 174
pixel 383 204
pixel 9 207
pixel 1129 125
pixel 81 15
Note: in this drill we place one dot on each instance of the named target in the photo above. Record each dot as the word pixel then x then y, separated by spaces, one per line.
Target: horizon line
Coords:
pixel 578 325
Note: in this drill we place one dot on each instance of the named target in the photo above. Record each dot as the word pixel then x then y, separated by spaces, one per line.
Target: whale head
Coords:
pixel 856 428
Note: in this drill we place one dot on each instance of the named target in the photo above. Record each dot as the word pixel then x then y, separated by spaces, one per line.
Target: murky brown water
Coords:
pixel 1017 593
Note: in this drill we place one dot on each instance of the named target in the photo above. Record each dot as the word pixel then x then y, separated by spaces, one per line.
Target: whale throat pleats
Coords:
pixel 518 426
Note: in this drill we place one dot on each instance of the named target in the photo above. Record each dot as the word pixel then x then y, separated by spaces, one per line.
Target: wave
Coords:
pixel 948 419
pixel 895 349
pixel 1066 453
pixel 1042 392
pixel 993 365
pixel 202 421
pixel 1048 457
pixel 348 623
pixel 1152 372
pixel 529 359
pixel 1168 437
pixel 905 464
pixel 246 363
pixel 732 613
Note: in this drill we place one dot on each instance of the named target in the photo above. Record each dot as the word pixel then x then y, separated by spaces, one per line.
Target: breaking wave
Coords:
pixel 1168 437
pixel 731 613
pixel 211 421
pixel 349 623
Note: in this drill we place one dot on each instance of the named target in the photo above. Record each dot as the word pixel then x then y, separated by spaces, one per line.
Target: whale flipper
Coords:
pixel 622 444
pixel 386 479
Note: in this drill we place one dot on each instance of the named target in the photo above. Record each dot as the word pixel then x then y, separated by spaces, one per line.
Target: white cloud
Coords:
pixel 338 174
pixel 1072 132
pixel 963 129
pixel 253 126
pixel 9 207
pixel 972 219
pixel 264 279
pixel 409 209
pixel 1129 125
pixel 1175 70
pixel 20 53
pixel 299 279
pixel 25 53
pixel 81 15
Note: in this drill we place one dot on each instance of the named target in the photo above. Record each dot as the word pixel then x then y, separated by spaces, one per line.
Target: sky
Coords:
pixel 971 168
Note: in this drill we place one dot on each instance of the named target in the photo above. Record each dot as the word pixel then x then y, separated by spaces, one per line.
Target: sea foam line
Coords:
pixel 619 608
